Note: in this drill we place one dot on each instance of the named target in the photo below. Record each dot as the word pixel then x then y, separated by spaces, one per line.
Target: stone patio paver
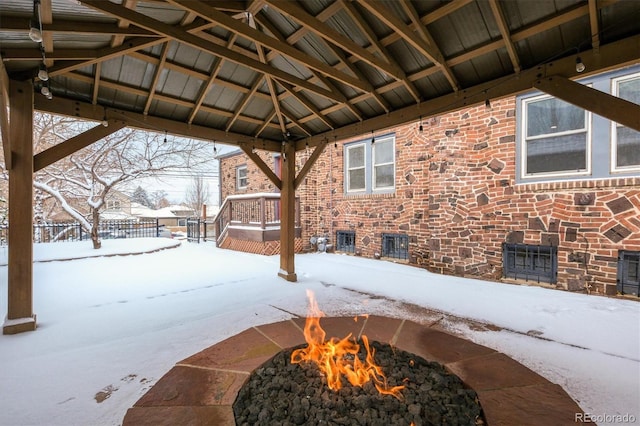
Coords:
pixel 201 389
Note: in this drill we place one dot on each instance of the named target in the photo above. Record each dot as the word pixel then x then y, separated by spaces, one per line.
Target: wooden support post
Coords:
pixel 20 315
pixel 288 214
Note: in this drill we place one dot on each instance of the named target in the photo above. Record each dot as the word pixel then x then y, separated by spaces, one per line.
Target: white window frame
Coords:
pixel 114 205
pixel 369 165
pixel 614 127
pixel 375 165
pixel 348 150
pixel 240 179
pixel 525 140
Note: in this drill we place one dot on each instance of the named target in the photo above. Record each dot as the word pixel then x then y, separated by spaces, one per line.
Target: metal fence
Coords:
pixel 199 229
pixel 73 231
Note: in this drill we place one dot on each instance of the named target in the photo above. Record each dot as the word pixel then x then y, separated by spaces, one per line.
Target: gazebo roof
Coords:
pixel 266 71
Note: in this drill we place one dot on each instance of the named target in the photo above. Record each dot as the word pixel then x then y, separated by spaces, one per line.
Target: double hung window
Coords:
pixel 560 141
pixel 370 166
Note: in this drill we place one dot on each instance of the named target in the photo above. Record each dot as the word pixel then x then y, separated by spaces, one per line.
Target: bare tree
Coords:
pixel 159 199
pixel 93 172
pixel 197 194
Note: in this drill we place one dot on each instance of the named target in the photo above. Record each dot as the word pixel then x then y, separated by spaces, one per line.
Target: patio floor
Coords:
pixel 201 389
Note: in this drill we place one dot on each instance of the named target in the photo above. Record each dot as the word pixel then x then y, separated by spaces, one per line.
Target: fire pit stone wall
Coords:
pixel 202 388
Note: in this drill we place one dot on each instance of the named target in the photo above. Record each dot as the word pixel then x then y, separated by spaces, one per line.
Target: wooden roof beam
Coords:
pixel 498 15
pixel 76 143
pixel 187 38
pixel 207 12
pixel 326 32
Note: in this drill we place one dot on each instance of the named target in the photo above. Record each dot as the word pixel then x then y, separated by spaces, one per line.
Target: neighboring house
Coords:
pixel 174 215
pixel 117 207
pixel 526 188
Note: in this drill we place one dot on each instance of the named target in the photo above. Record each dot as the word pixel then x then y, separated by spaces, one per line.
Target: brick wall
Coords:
pixel 457 201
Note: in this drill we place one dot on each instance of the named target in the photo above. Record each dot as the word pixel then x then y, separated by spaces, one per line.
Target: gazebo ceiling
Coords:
pixel 307 71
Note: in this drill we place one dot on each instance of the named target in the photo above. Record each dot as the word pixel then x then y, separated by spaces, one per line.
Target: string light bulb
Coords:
pixel 580 67
pixel 35 26
pixel 43 74
pixel 105 122
pixel 373 138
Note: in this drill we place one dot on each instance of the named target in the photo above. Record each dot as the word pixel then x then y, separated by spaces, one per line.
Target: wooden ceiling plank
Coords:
pixel 326 32
pixel 616 109
pixel 498 15
pixel 187 38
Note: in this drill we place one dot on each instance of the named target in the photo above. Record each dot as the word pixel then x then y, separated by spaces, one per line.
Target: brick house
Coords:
pixel 525 188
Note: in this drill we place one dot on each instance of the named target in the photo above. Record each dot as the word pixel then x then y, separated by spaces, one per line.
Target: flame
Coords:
pixel 338 358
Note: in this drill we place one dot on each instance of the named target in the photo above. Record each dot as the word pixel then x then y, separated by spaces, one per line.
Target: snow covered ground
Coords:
pixel 110 327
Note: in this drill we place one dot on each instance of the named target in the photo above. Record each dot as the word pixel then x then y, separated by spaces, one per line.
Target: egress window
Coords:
pixel 370 166
pixel 625 141
pixel 346 241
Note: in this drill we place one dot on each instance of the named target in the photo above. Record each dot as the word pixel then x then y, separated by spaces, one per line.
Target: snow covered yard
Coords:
pixel 110 327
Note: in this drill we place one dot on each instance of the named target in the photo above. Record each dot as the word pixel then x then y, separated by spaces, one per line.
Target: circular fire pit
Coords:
pixel 279 392
pixel 201 389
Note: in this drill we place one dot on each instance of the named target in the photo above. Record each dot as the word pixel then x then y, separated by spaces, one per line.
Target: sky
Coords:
pixel 111 325
pixel 176 183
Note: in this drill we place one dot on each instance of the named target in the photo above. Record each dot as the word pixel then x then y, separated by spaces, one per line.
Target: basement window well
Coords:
pixel 346 241
pixel 530 262
pixel 395 246
pixel 628 280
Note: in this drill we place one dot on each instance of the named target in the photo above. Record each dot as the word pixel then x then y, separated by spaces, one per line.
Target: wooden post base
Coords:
pixel 19 325
pixel 289 276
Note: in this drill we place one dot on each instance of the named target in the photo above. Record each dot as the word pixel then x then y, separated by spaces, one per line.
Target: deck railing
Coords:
pixel 251 212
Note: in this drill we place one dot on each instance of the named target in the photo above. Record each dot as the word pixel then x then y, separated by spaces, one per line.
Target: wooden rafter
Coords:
pixel 322 30
pixel 504 31
pixel 261 38
pixel 156 77
pixel 202 44
pixel 245 100
pixel 373 39
pixel 595 26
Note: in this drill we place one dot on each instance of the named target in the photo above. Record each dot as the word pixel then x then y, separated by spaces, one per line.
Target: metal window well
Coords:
pixel 530 262
pixel 395 246
pixel 346 241
pixel 628 280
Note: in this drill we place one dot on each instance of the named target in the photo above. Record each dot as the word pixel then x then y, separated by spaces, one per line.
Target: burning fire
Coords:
pixel 337 358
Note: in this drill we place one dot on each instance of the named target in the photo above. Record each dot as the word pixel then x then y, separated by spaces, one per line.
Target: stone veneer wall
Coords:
pixel 457 201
